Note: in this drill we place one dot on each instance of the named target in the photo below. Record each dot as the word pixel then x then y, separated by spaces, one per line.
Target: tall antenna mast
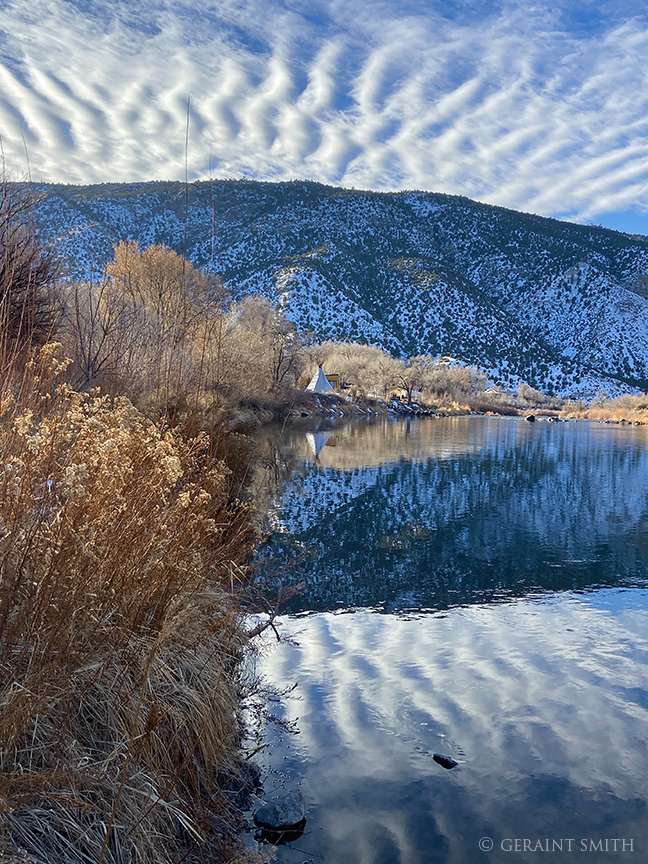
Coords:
pixel 186 216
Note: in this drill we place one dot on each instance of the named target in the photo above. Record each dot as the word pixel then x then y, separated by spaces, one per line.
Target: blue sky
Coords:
pixel 542 107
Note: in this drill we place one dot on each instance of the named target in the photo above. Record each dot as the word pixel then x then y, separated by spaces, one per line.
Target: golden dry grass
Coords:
pixel 120 645
pixel 631 408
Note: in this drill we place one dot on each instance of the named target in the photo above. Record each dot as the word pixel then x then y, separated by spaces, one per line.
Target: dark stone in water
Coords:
pixel 278 838
pixel 444 761
pixel 282 814
pixel 530 418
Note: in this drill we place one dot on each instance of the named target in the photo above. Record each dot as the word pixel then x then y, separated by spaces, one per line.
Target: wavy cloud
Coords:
pixel 534 107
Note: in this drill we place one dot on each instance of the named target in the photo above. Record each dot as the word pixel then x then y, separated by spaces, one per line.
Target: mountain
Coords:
pixel 561 306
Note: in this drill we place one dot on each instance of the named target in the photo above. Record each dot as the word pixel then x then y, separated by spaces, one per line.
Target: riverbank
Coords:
pixel 624 409
pixel 633 410
pixel 300 404
pixel 297 405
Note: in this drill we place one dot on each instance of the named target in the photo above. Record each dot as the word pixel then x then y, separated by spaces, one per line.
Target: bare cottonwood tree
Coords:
pixel 174 293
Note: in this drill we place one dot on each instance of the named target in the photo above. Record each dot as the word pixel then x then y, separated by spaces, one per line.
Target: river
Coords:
pixel 472 587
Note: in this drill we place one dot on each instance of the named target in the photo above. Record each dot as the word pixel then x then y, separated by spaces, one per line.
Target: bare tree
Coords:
pixel 264 343
pixel 28 276
pixel 105 327
pixel 416 374
pixel 174 307
pixel 388 372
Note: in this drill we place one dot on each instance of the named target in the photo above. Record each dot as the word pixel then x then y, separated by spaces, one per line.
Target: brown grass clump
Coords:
pixel 120 547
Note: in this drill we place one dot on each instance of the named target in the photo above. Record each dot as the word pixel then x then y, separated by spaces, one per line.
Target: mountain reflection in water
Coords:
pixel 541 697
pixel 452 511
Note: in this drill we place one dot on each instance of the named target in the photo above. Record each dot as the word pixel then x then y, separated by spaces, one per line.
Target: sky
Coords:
pixel 542 107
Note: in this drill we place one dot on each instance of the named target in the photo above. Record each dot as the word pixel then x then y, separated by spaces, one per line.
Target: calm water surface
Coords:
pixel 473 587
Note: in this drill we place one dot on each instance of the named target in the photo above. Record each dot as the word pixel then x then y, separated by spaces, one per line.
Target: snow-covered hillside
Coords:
pixel 561 306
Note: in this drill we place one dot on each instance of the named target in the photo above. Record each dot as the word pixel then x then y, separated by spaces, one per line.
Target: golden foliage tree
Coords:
pixel 171 290
pixel 169 307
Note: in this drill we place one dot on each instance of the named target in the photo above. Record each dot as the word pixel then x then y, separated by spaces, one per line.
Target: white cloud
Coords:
pixel 505 105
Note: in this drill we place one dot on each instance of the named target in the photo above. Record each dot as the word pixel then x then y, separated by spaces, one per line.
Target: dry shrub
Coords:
pixel 487 404
pixel 602 407
pixel 120 547
pixel 445 404
pixel 529 397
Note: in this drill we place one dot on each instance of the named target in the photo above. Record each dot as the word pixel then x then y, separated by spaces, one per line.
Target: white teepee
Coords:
pixel 319 383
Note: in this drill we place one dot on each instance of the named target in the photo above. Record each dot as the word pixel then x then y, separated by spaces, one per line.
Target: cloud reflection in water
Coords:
pixel 543 704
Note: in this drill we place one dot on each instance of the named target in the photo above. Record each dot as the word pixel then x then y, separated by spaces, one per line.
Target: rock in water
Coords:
pixel 281 813
pixel 530 418
pixel 444 761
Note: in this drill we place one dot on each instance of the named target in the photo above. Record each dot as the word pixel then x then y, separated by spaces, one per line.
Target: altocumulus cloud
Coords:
pixel 537 107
